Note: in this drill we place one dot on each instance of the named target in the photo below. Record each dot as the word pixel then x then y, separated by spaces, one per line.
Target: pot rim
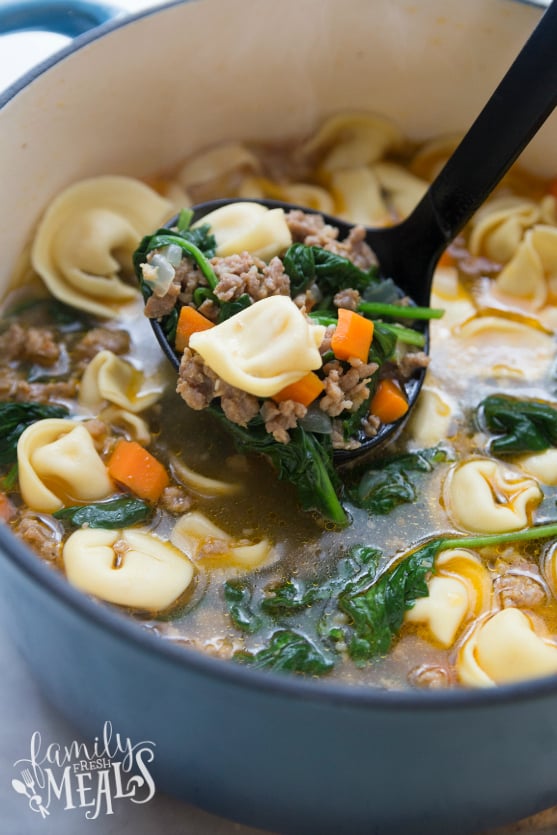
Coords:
pixel 126 628
pixel 103 29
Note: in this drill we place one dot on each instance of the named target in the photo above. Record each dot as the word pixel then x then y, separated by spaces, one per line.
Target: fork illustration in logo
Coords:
pixel 28 789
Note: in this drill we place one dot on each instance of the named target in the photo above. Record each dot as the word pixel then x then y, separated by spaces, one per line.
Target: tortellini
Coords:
pixel 459 588
pixel 351 140
pixel 224 165
pixel 485 496
pixel 532 271
pixel 505 648
pixel 134 426
pixel 486 341
pixel 200 539
pixel 250 227
pixel 498 227
pixel 128 567
pixel 404 191
pixel 109 378
pixel 541 465
pixel 431 418
pixel 59 466
pixel 262 349
pixel 448 294
pixel 81 233
pixel 301 194
pixel 201 484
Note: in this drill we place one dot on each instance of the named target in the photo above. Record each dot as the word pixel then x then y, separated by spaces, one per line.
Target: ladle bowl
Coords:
pixel 408 251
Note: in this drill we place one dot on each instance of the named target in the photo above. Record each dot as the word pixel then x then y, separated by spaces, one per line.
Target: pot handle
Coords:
pixel 64 17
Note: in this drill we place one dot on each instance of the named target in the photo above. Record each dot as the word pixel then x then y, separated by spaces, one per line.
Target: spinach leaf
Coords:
pixel 289 597
pixel 305 462
pixel 388 483
pixel 288 651
pixel 521 425
pixel 352 425
pixel 307 264
pixel 299 266
pixel 238 598
pixel 228 309
pixel 383 345
pixel 118 512
pixel 15 418
pixel 376 615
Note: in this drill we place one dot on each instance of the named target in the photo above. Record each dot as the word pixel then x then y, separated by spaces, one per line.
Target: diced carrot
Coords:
pixel 134 467
pixel 190 321
pixel 389 401
pixel 7 508
pixel 446 259
pixel 352 336
pixel 303 391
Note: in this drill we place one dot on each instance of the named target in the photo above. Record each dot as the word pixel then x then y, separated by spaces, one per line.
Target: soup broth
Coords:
pixel 446 567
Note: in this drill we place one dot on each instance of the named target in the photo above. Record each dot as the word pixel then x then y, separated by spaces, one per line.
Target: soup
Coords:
pixel 434 564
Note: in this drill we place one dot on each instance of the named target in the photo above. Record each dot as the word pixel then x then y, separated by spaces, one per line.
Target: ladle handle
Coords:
pixel 521 103
pixel 514 113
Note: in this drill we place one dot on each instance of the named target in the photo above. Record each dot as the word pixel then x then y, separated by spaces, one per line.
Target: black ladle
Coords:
pixel 408 252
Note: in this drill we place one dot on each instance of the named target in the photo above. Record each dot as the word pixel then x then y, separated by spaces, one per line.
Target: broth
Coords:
pixel 309 586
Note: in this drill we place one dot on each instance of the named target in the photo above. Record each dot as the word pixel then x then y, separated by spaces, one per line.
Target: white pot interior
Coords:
pixel 147 94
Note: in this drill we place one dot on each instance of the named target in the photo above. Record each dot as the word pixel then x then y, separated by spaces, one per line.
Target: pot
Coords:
pixel 134 97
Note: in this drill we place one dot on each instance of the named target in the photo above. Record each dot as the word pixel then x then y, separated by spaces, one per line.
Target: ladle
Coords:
pixel 408 252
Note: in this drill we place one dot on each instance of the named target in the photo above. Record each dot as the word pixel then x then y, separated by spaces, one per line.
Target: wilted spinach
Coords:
pixel 305 462
pixel 118 512
pixel 389 482
pixel 520 425
pixel 307 264
pixel 238 598
pixel 288 651
pixel 376 615
pixel 15 418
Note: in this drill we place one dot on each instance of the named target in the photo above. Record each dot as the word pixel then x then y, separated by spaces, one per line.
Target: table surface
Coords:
pixel 24 711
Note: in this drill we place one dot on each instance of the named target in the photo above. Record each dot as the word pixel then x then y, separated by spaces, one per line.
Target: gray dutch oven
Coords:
pixel 136 96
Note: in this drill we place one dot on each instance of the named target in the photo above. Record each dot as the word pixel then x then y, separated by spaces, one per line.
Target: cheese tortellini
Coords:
pixel 531 273
pixel 129 567
pixel 59 466
pixel 431 418
pixel 81 233
pixel 201 539
pixel 505 648
pixel 485 496
pixel 109 378
pixel 460 588
pixel 351 140
pixel 262 349
pixel 249 227
pixel 540 465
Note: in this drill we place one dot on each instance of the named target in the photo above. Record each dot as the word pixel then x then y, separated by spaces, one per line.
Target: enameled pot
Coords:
pixel 134 97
